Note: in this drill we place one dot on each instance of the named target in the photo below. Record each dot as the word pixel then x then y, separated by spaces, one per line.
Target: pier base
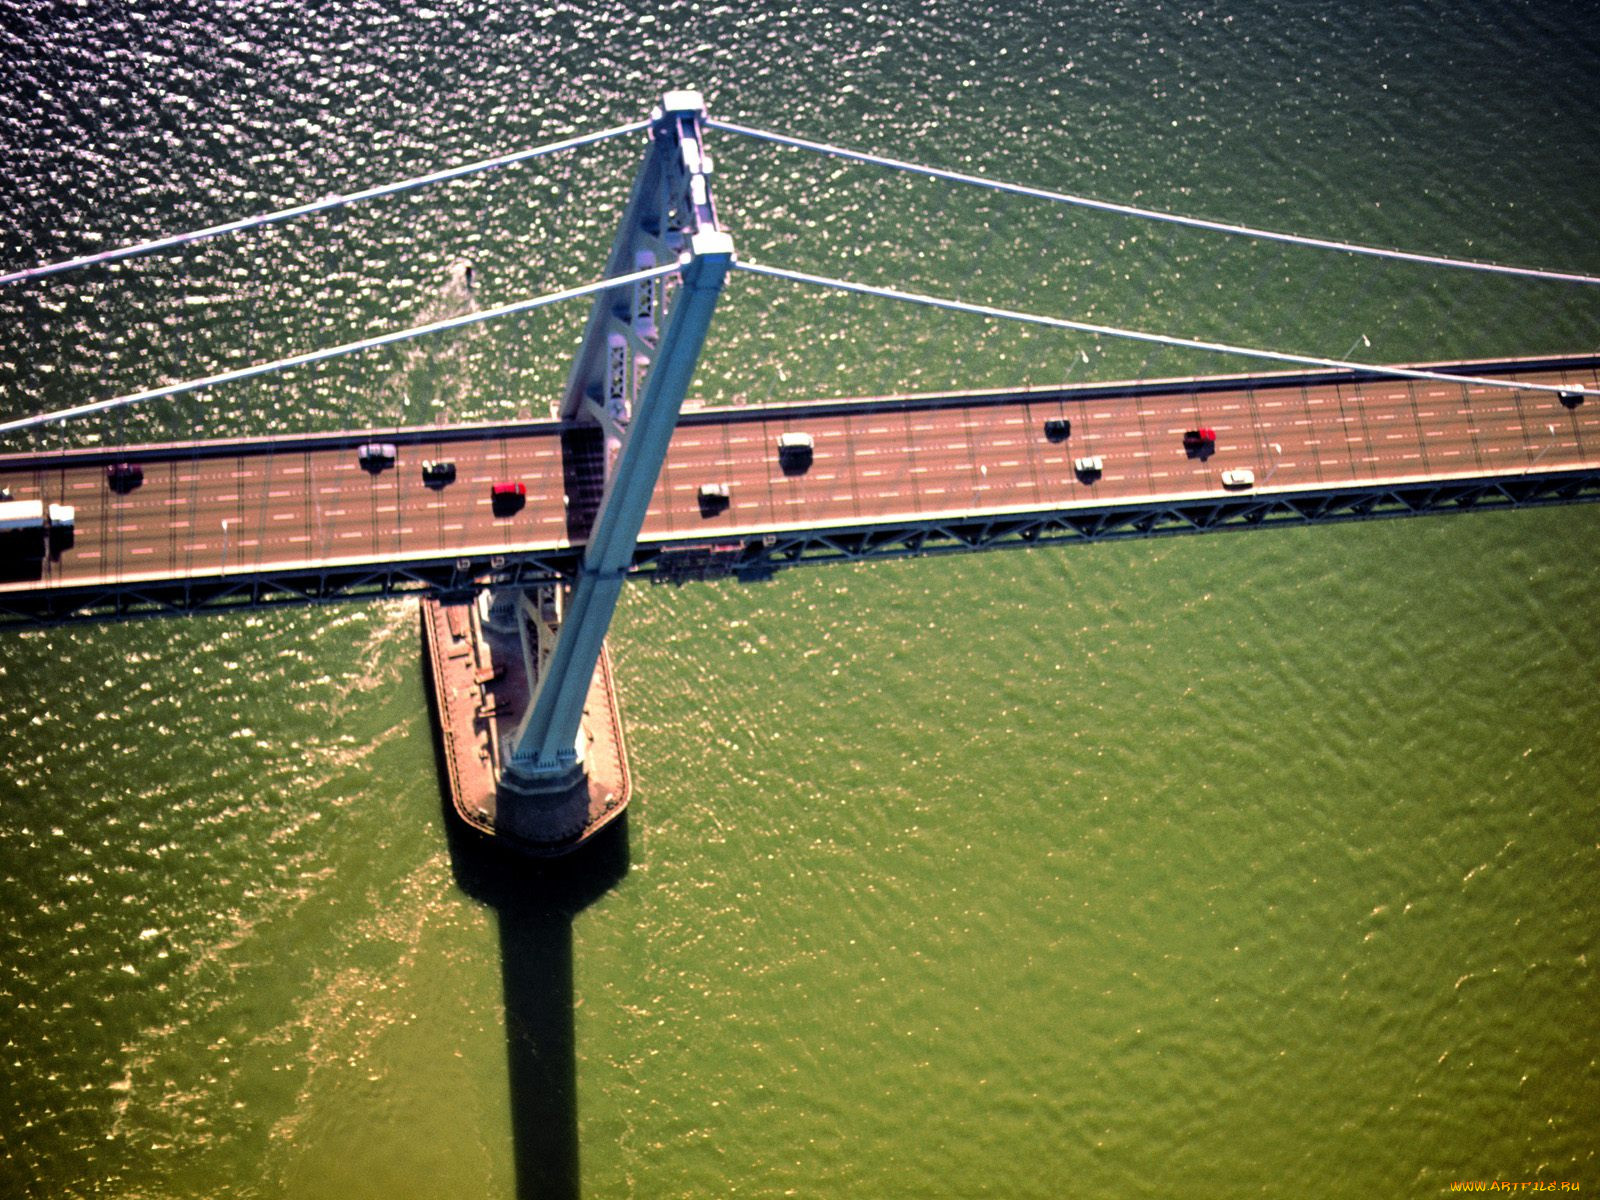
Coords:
pixel 479 687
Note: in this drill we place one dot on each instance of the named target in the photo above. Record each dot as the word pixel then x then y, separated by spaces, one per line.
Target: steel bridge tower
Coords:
pixel 627 387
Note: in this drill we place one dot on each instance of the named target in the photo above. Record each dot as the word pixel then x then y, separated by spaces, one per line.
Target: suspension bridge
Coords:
pixel 518 536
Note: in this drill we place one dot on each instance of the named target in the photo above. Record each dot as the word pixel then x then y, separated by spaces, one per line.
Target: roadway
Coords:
pixel 218 509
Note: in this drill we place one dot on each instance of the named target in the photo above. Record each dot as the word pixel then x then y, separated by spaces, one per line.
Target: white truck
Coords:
pixel 28 528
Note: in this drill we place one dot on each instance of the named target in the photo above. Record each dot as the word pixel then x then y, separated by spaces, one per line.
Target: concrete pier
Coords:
pixel 479 688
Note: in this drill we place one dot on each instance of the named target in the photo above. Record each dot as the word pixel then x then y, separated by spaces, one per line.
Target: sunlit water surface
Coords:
pixel 1261 864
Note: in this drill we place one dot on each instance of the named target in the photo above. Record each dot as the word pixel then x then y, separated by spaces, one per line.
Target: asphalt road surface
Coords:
pixel 205 509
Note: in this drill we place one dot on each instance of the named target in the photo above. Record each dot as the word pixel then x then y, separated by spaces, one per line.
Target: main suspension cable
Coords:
pixel 1007 314
pixel 315 356
pixel 1129 210
pixel 315 206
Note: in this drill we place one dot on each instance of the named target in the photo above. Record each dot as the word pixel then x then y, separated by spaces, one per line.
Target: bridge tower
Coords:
pixel 625 391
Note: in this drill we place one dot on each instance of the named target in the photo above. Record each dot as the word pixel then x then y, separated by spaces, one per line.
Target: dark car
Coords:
pixel 1058 429
pixel 438 472
pixel 507 498
pixel 123 477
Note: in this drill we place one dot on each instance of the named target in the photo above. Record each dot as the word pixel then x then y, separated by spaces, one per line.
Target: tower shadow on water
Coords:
pixel 536 901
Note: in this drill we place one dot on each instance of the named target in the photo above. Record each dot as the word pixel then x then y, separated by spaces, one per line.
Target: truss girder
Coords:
pixel 668 204
pixel 933 537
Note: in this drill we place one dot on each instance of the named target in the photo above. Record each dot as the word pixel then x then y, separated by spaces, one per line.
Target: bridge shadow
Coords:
pixel 583 476
pixel 536 901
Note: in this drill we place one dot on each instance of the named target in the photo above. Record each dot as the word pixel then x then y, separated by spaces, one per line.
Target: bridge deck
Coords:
pixel 212 511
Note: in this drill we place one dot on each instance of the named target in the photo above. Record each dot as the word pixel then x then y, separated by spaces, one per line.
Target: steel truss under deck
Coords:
pixel 758 558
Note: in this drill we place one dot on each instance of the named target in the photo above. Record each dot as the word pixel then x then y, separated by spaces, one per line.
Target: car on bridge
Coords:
pixel 123 477
pixel 1239 477
pixel 436 472
pixel 714 499
pixel 1200 441
pixel 375 456
pixel 507 498
pixel 1057 429
pixel 1089 468
pixel 794 452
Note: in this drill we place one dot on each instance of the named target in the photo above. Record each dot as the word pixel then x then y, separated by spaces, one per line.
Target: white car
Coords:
pixel 713 499
pixel 1089 467
pixel 375 456
pixel 1239 477
pixel 794 453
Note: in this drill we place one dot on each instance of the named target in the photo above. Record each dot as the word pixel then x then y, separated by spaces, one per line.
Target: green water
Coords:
pixel 1238 865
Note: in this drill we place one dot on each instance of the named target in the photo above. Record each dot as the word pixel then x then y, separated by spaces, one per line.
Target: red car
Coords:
pixel 506 498
pixel 123 477
pixel 1199 439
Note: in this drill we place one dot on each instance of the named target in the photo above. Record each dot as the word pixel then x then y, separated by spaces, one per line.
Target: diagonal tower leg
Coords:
pixel 626 389
pixel 542 781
